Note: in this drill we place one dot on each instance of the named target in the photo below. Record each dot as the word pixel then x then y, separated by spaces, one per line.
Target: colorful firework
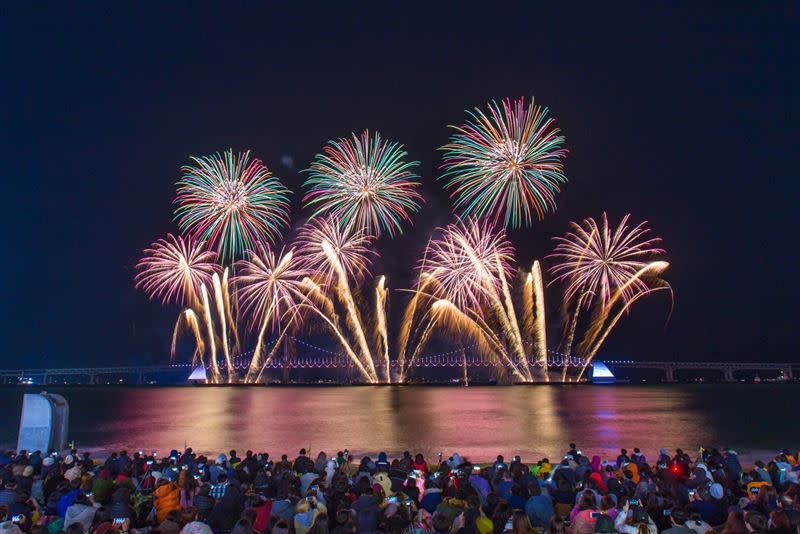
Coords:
pixel 232 202
pixel 364 182
pixel 173 270
pixel 594 259
pixel 507 165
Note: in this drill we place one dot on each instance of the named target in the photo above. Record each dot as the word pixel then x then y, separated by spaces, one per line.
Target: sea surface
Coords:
pixel 477 422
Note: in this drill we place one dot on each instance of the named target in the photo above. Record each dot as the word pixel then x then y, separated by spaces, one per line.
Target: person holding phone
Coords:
pixel 634 520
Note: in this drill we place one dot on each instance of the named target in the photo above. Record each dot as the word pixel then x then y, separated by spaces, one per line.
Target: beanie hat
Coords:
pixel 196 527
pixel 716 490
pixel 47 462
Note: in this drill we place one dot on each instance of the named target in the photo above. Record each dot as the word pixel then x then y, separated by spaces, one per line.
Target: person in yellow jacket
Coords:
pixel 166 498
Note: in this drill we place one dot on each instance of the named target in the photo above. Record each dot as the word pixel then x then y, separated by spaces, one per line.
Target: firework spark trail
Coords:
pixel 590 344
pixel 408 320
pixel 461 322
pixel 505 166
pixel 540 322
pixel 215 374
pixel 270 357
pixel 353 318
pixel 228 312
pixel 255 362
pixel 623 310
pixel 527 309
pixel 516 335
pixel 365 183
pixel 570 337
pixel 381 294
pixel 173 269
pixel 232 202
pixel 223 326
pixel 423 339
pixel 328 315
pixel 189 319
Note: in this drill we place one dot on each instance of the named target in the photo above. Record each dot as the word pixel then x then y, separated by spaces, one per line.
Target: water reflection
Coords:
pixel 478 422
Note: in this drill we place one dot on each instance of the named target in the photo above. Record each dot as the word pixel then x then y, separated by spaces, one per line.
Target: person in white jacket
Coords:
pixel 640 522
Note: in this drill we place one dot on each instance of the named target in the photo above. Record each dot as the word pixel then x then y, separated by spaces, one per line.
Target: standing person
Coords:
pixel 302 464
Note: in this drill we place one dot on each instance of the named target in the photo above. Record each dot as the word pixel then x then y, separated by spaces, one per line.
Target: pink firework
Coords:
pixel 174 268
pixel 269 286
pixel 468 262
pixel 596 260
pixel 326 249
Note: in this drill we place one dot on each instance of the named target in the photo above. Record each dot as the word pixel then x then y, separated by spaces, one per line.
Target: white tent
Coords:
pixel 199 373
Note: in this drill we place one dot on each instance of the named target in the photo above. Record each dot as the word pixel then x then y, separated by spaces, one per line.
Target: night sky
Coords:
pixel 683 115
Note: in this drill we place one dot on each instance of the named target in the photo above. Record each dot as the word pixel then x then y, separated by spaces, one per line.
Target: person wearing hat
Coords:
pixel 677 519
pixel 196 527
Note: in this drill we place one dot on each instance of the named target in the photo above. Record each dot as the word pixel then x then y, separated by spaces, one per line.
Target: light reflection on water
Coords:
pixel 478 422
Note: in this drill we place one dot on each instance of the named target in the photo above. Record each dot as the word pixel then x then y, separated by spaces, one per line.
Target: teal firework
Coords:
pixel 231 202
pixel 364 183
pixel 507 165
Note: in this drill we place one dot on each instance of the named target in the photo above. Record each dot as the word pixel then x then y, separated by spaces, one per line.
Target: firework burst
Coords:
pixel 174 268
pixel 232 202
pixel 468 261
pixel 507 165
pixel 595 259
pixel 269 286
pixel 364 182
pixel 322 239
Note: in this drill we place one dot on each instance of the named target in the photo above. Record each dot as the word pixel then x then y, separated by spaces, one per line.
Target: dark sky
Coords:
pixel 682 114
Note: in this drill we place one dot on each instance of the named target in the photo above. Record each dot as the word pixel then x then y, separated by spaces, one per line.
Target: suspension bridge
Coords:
pixel 312 357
